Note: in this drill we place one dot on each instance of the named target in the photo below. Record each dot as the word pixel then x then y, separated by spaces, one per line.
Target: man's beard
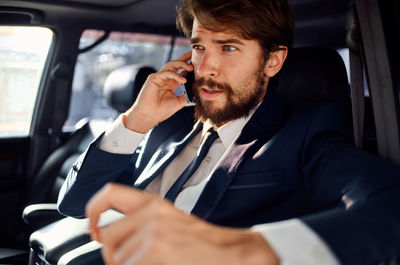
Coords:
pixel 238 104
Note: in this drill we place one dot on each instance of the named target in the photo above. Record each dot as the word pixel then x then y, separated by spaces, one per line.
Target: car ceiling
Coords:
pixel 318 22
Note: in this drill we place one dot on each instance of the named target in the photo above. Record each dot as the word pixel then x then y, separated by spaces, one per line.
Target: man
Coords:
pixel 266 164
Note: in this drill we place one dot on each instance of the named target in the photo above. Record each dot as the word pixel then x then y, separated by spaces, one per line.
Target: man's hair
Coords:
pixel 270 22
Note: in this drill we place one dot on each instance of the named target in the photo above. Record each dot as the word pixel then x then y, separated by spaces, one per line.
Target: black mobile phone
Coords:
pixel 188 87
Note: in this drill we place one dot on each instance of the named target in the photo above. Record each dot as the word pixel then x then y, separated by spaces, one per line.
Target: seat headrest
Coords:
pixel 313 75
pixel 122 86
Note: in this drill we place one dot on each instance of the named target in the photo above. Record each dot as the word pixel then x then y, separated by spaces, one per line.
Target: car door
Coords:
pixel 21 71
pixel 36 68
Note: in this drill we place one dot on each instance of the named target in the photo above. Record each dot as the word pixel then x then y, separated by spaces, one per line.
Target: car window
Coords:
pixel 21 68
pixel 181 45
pixel 93 67
pixel 344 53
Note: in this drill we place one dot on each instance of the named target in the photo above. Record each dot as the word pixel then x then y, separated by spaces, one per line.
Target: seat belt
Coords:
pixel 60 75
pixel 353 41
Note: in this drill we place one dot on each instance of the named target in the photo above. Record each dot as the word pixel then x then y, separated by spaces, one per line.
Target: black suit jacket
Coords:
pixel 286 163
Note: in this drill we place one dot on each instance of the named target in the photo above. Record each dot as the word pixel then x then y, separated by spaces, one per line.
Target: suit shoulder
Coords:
pixel 321 117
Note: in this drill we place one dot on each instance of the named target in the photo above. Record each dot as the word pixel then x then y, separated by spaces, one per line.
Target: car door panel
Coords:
pixel 13 163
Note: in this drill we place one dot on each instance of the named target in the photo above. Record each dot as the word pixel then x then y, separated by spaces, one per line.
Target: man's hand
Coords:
pixel 156 101
pixel 153 231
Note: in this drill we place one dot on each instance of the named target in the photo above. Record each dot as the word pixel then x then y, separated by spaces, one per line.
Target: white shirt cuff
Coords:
pixel 296 244
pixel 120 140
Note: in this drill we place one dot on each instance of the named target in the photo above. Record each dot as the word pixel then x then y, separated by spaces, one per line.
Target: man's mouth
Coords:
pixel 209 93
pixel 210 90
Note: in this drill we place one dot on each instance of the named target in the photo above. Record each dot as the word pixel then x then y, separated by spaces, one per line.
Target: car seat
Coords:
pixel 309 75
pixel 313 75
pixel 121 88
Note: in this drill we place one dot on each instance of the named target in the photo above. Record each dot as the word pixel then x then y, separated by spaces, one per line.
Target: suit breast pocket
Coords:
pixel 253 180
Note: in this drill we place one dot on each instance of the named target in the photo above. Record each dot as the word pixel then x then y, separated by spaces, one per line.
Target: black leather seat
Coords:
pixel 121 88
pixel 313 75
pixel 310 75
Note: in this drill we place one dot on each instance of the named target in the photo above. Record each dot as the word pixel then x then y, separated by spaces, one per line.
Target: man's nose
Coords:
pixel 208 66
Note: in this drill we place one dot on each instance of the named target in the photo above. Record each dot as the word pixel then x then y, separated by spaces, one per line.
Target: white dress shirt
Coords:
pixel 293 241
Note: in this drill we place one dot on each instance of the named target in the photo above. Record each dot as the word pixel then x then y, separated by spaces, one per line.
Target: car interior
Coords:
pixel 344 51
pixel 311 75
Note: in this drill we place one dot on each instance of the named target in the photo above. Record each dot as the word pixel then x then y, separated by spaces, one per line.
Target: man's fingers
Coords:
pixel 132 235
pixel 179 63
pixel 135 248
pixel 133 228
pixel 118 231
pixel 118 197
pixel 164 76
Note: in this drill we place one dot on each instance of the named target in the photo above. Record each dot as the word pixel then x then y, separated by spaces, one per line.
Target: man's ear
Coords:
pixel 275 61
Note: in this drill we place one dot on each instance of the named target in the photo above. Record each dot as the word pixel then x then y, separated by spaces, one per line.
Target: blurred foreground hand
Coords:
pixel 153 231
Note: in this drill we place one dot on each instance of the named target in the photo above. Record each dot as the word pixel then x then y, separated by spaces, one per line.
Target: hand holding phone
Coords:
pixel 156 96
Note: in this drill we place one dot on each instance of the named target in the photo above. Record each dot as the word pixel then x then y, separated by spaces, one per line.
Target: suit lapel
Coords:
pixel 264 123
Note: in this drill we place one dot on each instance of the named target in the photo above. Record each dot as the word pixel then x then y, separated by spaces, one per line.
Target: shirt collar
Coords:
pixel 228 132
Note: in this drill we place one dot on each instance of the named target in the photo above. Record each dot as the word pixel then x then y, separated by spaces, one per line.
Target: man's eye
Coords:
pixel 229 48
pixel 197 47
